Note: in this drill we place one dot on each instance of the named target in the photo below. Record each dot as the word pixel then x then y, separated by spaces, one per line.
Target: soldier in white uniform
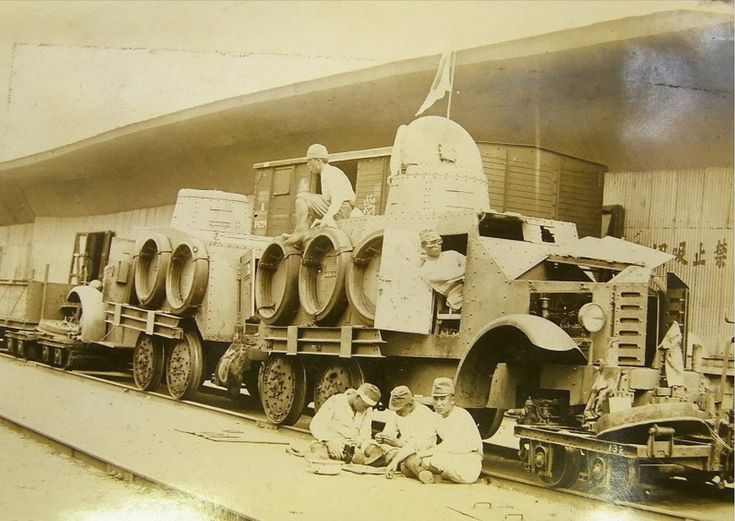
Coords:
pixel 335 202
pixel 458 457
pixel 343 424
pixel 443 271
pixel 409 428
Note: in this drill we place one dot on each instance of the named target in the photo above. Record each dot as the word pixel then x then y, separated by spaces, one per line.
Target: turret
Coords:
pixel 435 166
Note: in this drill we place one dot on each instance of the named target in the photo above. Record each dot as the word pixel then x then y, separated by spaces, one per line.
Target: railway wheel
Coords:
pixel 10 343
pixel 612 475
pixel 336 377
pixel 184 367
pixel 60 357
pixel 21 349
pixel 557 466
pixel 148 362
pixel 282 389
pixel 488 420
pixel 46 355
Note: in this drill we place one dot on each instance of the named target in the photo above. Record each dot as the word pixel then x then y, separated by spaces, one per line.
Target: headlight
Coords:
pixel 592 317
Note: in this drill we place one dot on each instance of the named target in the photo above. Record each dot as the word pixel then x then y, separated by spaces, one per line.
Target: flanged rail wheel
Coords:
pixel 362 276
pixel 151 264
pixel 283 389
pixel 488 420
pixel 336 377
pixel 148 362
pixel 557 466
pixel 188 275
pixel 21 349
pixel 184 367
pixel 60 357
pixel 322 275
pixel 11 344
pixel 46 354
pixel 276 284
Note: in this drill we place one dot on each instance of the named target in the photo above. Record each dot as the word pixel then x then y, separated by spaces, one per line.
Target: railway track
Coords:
pixel 675 501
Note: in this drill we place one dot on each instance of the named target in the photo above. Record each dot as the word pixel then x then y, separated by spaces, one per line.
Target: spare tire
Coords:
pixel 362 276
pixel 322 275
pixel 276 284
pixel 187 276
pixel 151 264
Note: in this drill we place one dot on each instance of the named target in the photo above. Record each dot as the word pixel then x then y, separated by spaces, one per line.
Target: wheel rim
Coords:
pixel 561 467
pixel 21 349
pixel 488 420
pixel 45 354
pixel 10 342
pixel 184 367
pixel 337 377
pixel 58 357
pixel 283 389
pixel 148 363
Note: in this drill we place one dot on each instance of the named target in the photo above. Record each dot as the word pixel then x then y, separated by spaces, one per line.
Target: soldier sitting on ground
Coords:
pixel 443 271
pixel 408 429
pixel 458 457
pixel 343 424
pixel 336 201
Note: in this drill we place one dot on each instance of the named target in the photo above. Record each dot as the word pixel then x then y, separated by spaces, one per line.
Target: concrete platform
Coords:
pixel 147 435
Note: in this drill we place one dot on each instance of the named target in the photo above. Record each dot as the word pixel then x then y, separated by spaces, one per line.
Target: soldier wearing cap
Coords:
pixel 458 457
pixel 343 424
pixel 408 429
pixel 443 271
pixel 335 202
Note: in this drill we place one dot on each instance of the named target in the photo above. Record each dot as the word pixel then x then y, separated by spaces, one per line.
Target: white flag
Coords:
pixel 442 81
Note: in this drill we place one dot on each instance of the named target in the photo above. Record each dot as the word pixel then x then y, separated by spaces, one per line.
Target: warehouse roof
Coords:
pixel 644 93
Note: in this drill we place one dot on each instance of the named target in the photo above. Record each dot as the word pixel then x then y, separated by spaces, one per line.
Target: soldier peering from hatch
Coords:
pixel 443 271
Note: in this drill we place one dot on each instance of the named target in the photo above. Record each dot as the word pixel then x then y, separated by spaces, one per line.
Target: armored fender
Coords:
pixel 92 321
pixel 516 339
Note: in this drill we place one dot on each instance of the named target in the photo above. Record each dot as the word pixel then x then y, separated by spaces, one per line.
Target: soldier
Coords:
pixel 458 457
pixel 443 271
pixel 408 430
pixel 336 201
pixel 343 424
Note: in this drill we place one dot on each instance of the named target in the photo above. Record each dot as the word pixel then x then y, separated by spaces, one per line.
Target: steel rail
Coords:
pixel 490 448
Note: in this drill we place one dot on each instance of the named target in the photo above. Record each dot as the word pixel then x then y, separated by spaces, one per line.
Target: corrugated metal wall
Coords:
pixel 15 251
pixel 53 237
pixel 688 213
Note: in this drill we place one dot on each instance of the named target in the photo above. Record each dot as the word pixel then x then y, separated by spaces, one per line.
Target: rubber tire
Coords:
pixel 284 306
pixel 152 294
pixel 362 255
pixel 187 252
pixel 336 240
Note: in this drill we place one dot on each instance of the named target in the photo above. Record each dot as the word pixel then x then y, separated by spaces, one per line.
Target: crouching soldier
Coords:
pixel 343 425
pixel 458 457
pixel 410 428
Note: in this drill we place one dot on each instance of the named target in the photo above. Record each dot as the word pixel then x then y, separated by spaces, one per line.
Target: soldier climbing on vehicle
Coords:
pixel 335 202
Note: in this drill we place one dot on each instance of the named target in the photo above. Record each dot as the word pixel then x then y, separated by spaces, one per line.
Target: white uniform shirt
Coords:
pixel 335 419
pixel 417 428
pixel 335 185
pixel 458 433
pixel 445 275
